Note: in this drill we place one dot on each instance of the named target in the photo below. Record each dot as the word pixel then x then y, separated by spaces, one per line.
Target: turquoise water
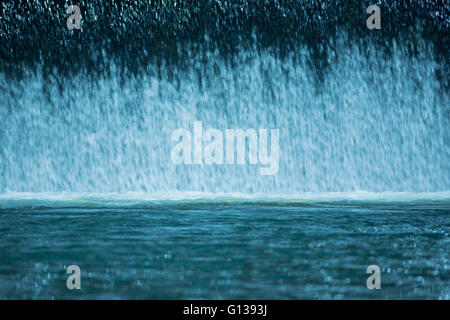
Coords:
pixel 72 150
pixel 315 246
pixel 86 176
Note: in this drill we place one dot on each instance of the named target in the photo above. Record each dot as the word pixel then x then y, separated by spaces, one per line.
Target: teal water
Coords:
pixel 379 123
pixel 86 177
pixel 225 248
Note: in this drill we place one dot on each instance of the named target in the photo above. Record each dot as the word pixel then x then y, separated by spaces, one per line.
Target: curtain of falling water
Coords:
pixel 376 123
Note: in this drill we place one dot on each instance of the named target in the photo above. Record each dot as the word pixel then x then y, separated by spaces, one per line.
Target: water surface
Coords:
pixel 225 248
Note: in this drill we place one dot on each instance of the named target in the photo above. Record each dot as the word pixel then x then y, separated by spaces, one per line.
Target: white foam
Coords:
pixel 138 197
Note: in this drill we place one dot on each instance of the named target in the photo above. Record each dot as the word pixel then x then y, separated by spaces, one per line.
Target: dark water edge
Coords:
pixel 247 250
pixel 134 35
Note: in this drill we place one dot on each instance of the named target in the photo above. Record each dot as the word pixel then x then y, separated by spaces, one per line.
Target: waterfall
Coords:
pixel 375 122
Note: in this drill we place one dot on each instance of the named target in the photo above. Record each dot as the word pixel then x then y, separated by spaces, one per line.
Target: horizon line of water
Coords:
pixel 13 199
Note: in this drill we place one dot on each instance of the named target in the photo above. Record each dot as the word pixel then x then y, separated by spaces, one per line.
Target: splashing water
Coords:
pixel 86 175
pixel 377 124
